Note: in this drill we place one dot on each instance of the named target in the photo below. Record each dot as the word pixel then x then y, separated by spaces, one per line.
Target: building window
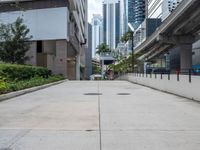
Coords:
pixel 39 46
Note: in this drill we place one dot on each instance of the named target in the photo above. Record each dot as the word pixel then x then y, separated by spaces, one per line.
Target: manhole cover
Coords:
pixel 89 130
pixel 123 94
pixel 93 94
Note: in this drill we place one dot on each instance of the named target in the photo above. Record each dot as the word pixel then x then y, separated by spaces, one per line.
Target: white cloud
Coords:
pixel 94 7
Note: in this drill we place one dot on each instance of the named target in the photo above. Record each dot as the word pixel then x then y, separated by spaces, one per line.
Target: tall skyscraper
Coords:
pixel 136 12
pixel 111 22
pixel 97 32
pixel 123 16
pixel 155 8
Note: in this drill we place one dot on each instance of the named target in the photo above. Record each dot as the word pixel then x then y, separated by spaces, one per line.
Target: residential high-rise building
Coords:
pixel 136 12
pixel 111 22
pixel 97 32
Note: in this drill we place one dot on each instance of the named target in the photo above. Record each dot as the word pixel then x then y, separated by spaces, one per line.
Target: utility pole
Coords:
pixel 132 49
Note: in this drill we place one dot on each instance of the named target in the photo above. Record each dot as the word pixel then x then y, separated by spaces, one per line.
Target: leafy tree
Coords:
pixel 103 48
pixel 14 42
pixel 126 37
pixel 96 69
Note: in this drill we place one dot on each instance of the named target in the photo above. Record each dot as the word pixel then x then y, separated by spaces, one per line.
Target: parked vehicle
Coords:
pixel 95 77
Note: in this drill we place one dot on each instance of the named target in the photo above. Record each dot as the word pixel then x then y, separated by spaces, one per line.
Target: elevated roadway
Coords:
pixel 180 29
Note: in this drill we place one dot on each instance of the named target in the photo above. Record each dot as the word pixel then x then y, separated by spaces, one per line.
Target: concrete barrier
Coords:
pixel 182 87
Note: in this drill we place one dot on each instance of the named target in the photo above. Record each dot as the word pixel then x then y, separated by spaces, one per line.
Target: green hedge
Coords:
pixel 18 77
pixel 3 86
pixel 14 72
pixel 20 85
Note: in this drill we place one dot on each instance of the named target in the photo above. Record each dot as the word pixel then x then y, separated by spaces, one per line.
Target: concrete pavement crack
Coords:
pixel 18 137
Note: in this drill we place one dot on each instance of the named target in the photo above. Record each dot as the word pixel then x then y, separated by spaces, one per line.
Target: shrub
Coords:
pixel 3 86
pixel 36 81
pixel 22 72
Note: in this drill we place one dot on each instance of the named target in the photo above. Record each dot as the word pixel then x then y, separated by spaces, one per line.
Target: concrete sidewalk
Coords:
pixel 125 116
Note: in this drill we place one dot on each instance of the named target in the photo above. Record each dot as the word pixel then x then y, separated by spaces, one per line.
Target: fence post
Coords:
pixel 178 76
pixel 190 73
pixel 168 76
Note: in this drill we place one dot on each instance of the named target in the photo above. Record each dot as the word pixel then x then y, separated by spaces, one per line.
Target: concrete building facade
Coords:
pixel 111 22
pixel 97 32
pixel 59 30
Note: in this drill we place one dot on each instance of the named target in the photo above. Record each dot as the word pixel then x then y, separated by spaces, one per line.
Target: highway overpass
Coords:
pixel 181 29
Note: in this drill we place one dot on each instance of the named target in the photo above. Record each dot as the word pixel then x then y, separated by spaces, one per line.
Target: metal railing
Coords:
pixel 187 72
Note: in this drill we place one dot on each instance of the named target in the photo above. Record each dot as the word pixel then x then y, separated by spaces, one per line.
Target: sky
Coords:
pixel 94 7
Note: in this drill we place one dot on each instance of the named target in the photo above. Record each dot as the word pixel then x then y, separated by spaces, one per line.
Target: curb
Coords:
pixel 29 90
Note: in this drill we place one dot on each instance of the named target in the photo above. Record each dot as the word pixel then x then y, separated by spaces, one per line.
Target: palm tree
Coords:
pixel 102 48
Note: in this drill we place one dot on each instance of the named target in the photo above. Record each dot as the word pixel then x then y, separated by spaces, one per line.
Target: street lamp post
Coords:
pixel 132 49
pixel 132 46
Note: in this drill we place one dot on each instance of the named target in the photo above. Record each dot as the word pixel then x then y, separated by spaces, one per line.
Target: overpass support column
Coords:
pixel 185 45
pixel 185 56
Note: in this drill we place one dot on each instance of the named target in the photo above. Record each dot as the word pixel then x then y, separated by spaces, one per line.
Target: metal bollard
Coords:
pixel 190 75
pixel 168 76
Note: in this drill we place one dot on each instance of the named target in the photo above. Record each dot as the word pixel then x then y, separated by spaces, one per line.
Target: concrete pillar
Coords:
pixel 60 61
pixel 32 54
pixel 78 74
pixel 185 56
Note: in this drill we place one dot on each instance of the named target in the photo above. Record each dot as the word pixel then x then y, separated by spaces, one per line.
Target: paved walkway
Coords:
pixel 70 116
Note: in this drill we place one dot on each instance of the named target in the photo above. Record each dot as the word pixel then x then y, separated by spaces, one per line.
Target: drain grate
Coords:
pixel 123 94
pixel 93 94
